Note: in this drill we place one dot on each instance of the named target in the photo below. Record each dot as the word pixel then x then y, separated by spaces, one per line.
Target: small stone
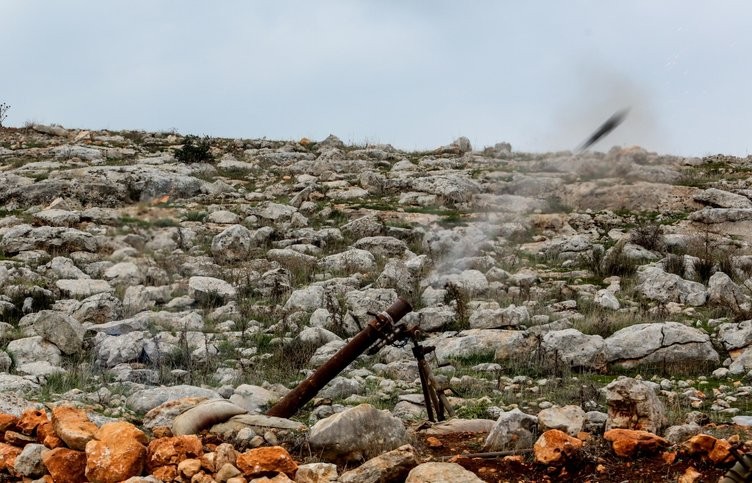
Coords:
pixel 262 460
pixel 434 442
pixel 627 442
pixel 189 467
pixel 711 449
pixel 30 419
pixel 29 462
pixel 170 451
pixel 8 455
pixel 116 453
pixel 316 473
pixel 73 426
pixel 555 447
pixel 65 465
pixel 227 471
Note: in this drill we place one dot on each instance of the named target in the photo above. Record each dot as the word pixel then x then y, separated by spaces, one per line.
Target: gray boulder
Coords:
pixel 633 404
pixel 34 349
pixel 575 348
pixel 382 246
pixel 29 462
pixel 210 290
pixel 83 288
pixel 232 244
pixel 513 430
pixel 435 472
pixel 57 217
pixel 114 350
pixel 146 399
pixel 366 226
pixel 356 434
pixel 504 344
pixel 655 284
pixel 64 331
pixel 686 348
pixel 98 309
pixel 570 419
pixel 350 261
pixel 724 292
pixel 254 399
pixel 391 466
pixel 722 199
pixel 494 318
pixel 735 337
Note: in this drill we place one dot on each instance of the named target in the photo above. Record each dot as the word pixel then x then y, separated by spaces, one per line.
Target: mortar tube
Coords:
pixel 306 390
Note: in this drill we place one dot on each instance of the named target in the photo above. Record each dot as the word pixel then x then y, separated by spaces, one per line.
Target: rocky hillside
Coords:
pixel 585 307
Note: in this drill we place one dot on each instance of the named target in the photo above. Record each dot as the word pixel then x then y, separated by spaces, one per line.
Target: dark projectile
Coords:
pixel 605 128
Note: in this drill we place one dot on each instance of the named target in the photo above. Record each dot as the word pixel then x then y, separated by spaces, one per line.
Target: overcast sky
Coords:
pixel 416 74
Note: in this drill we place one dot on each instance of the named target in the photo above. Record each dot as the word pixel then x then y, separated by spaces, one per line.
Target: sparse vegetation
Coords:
pixel 195 150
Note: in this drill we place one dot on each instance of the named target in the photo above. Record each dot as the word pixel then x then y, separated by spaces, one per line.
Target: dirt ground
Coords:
pixel 597 464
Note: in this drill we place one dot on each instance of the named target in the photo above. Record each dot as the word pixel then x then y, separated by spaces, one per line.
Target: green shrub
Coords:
pixel 195 150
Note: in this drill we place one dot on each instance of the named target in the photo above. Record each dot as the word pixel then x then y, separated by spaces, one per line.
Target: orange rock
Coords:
pixel 225 453
pixel 189 467
pixel 7 421
pixel 119 430
pixel 166 473
pixel 554 447
pixel 627 442
pixel 280 478
pixel 30 419
pixel 690 475
pixel 117 453
pixel 161 432
pixel 18 439
pixel 46 435
pixel 266 460
pixel 73 426
pixel 668 457
pixel 714 450
pixel 65 465
pixel 434 442
pixel 8 455
pixel 173 450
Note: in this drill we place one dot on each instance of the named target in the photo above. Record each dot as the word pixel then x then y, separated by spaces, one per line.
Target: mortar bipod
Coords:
pixel 433 395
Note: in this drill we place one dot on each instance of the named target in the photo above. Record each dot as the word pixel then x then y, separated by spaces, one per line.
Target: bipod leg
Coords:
pixel 424 384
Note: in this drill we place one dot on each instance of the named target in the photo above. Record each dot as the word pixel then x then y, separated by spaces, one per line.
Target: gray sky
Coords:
pixel 417 74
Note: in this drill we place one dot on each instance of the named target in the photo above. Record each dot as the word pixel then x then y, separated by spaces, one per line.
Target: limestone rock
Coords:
pixel 233 244
pixel 513 430
pixel 258 461
pixel 724 292
pixel 172 450
pixel 632 404
pixel 316 473
pixel 391 466
pixel 210 290
pixel 435 472
pixel 555 447
pixel 655 284
pixel 116 453
pixel 34 349
pixel 713 450
pixel 147 399
pixel 626 443
pixel 575 348
pixel 348 262
pixel 65 465
pixel 29 461
pixel 570 419
pixel 73 426
pixel 357 434
pixel 688 348
pixel 62 330
pixel 83 288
